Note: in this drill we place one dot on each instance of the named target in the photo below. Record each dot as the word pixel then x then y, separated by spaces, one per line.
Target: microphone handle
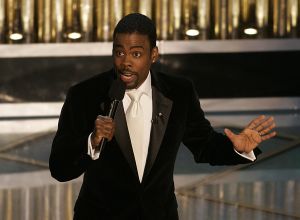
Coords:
pixel 111 114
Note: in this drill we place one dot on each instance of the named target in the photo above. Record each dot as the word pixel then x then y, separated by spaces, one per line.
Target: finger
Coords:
pixel 95 139
pixel 112 131
pixel 264 124
pixel 101 126
pixel 100 123
pixel 104 118
pixel 229 133
pixel 111 135
pixel 268 136
pixel 255 122
pixel 103 131
pixel 267 129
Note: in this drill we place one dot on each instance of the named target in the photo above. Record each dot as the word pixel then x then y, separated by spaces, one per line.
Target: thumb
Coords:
pixel 229 133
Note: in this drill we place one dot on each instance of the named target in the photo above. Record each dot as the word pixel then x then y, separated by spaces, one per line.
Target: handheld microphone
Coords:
pixel 116 94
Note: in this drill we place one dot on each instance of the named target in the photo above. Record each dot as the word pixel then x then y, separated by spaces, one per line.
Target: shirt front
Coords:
pixel 146 103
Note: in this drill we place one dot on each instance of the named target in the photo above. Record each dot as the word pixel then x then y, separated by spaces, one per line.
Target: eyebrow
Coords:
pixel 132 47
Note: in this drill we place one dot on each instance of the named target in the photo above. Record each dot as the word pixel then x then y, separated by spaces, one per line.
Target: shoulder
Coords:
pixel 173 83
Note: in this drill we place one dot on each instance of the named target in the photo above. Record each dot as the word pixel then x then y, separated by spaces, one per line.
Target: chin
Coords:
pixel 130 86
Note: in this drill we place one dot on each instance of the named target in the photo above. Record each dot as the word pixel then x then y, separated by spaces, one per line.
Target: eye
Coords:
pixel 136 54
pixel 119 53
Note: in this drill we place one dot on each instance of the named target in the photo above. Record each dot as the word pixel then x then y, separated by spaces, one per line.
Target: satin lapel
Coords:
pixel 123 139
pixel 161 111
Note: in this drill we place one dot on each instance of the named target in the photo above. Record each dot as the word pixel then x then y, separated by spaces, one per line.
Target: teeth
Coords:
pixel 127 74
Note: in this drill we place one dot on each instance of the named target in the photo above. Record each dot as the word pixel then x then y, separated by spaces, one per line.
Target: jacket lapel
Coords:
pixel 123 138
pixel 161 111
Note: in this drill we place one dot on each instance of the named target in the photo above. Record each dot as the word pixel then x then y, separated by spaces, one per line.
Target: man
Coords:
pixel 130 178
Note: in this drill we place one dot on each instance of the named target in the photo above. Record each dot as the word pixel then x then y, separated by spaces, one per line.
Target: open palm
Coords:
pixel 258 130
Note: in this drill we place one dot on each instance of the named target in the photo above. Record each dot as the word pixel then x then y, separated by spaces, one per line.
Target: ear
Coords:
pixel 154 54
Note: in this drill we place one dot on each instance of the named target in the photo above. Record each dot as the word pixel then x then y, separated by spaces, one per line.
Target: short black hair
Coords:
pixel 137 23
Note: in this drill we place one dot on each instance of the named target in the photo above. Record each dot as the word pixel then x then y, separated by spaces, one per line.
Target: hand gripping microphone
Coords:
pixel 116 94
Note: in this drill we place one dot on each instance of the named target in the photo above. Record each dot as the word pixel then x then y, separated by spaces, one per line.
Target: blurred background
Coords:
pixel 243 56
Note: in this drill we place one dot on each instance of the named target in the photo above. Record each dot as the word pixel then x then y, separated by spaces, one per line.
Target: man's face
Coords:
pixel 133 58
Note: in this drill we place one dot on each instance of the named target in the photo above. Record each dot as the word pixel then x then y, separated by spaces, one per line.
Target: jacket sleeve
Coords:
pixel 69 158
pixel 207 145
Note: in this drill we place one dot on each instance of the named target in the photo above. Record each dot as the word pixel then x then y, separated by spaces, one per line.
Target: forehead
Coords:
pixel 131 39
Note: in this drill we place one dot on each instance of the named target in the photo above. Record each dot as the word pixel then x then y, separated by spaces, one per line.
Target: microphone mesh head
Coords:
pixel 117 90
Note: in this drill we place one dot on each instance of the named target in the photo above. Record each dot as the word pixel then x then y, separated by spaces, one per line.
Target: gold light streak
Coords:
pixel 75 31
pixel 262 17
pixel 186 10
pixel 47 21
pixel 292 15
pixel 44 21
pixel 233 18
pixel 116 8
pixel 105 21
pixel 235 14
pixel 216 5
pixel 2 20
pixel 130 6
pixel 9 205
pixel 204 18
pixel 16 33
pixel 171 19
pixel 69 201
pixel 262 13
pixel 46 202
pixel 27 11
pixel 10 17
pixel 282 18
pixel 145 7
pixel 86 19
pixel 164 19
pixel 275 17
pixel 158 12
pixel 58 18
pixel 245 7
pixel 68 14
pixel 177 9
pixel 224 19
pixel 98 20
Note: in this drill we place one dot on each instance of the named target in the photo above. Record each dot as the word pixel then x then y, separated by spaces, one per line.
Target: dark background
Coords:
pixel 216 75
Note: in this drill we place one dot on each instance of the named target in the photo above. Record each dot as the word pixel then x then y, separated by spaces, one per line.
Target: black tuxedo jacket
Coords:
pixel 111 188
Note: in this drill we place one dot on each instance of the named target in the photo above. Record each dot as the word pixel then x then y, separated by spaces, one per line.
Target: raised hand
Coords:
pixel 258 130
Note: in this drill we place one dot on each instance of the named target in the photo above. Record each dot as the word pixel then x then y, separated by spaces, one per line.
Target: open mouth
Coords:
pixel 127 77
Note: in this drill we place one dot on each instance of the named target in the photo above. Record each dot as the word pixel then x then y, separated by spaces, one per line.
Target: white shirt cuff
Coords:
pixel 250 156
pixel 94 154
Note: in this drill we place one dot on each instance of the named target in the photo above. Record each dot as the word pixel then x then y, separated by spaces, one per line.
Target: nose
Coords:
pixel 126 61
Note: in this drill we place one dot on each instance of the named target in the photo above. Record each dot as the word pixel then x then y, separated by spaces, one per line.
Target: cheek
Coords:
pixel 144 65
pixel 116 62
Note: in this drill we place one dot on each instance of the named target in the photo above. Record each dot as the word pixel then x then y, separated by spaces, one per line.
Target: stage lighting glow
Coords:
pixel 192 32
pixel 250 31
pixel 74 35
pixel 16 36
